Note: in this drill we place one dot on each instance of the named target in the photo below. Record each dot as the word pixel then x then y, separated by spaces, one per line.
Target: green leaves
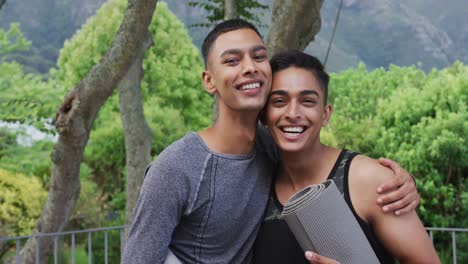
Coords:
pixel 12 40
pixel 26 98
pixel 417 119
pixel 22 200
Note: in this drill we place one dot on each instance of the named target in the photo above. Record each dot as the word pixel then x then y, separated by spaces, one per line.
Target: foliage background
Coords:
pixel 174 103
pixel 405 113
pixel 418 119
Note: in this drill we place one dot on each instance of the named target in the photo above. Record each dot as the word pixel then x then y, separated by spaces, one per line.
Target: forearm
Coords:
pixel 406 239
pixel 158 212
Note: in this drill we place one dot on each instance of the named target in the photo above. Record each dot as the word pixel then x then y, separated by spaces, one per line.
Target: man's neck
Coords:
pixel 232 133
pixel 311 166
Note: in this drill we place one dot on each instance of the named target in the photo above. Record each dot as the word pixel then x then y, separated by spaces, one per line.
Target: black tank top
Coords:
pixel 275 242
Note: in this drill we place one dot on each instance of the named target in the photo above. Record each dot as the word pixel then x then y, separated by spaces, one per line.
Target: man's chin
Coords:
pixel 252 108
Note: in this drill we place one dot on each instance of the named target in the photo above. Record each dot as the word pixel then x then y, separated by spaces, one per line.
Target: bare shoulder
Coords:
pixel 367 170
pixel 365 175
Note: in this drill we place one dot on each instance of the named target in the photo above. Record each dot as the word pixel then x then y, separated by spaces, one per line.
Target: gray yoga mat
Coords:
pixel 322 222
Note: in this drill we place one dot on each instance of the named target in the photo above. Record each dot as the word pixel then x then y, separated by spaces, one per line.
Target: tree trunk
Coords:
pixel 2 2
pixel 74 119
pixel 294 24
pixel 230 9
pixel 137 132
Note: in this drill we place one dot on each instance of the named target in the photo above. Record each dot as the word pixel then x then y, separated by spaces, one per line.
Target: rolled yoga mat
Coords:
pixel 322 222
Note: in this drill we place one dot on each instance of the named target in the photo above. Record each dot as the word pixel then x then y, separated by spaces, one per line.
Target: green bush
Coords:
pixel 31 160
pixel 21 202
pixel 417 119
pixel 7 141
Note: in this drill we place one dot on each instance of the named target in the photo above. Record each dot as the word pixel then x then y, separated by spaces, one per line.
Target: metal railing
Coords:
pixel 73 246
pixel 453 231
pixel 106 230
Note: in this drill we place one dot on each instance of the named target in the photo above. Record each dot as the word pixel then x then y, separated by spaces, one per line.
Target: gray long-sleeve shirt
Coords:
pixel 203 206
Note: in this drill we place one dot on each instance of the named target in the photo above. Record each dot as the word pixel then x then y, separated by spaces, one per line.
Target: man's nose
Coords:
pixel 293 112
pixel 249 66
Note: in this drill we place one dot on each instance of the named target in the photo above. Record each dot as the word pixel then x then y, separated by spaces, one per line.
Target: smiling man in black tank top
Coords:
pixel 296 111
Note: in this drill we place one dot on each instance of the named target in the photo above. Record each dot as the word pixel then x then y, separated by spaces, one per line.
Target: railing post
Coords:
pixel 55 250
pixel 73 248
pixel 37 250
pixel 105 246
pixel 121 241
pixel 90 248
pixel 18 248
pixel 454 247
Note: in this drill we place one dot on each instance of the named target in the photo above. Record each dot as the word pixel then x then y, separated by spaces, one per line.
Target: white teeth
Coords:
pixel 293 129
pixel 250 86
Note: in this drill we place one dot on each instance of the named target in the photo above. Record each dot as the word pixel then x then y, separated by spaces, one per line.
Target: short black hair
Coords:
pixel 223 27
pixel 299 59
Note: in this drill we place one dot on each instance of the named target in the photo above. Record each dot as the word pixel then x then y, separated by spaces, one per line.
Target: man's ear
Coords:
pixel 326 115
pixel 208 82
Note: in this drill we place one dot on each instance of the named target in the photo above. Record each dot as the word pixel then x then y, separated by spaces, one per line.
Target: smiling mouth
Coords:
pixel 249 86
pixel 293 131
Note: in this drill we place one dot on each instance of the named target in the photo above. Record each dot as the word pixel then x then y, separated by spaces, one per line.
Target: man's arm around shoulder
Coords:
pixel 403 236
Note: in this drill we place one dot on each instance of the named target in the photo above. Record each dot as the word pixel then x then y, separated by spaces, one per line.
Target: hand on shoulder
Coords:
pixel 365 175
pixel 369 171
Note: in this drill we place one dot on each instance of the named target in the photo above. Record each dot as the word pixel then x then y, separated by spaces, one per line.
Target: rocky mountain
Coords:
pixel 47 24
pixel 376 32
pixel 383 32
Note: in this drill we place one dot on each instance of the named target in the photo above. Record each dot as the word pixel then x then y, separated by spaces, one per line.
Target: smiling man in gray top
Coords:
pixel 204 197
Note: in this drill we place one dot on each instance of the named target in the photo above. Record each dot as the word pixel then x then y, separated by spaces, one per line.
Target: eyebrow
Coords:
pixel 302 93
pixel 238 51
pixel 279 92
pixel 309 92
